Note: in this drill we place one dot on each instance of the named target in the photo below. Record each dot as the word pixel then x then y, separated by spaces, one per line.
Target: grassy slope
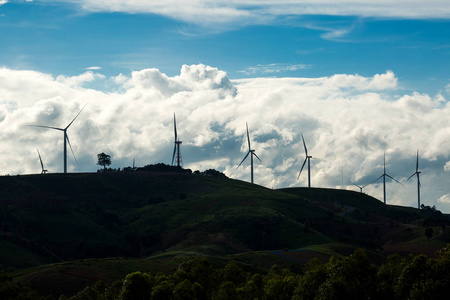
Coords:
pixel 60 217
pixel 169 218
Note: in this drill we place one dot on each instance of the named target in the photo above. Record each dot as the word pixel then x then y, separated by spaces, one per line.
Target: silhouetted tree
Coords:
pixel 212 173
pixel 353 277
pixel 136 285
pixel 103 160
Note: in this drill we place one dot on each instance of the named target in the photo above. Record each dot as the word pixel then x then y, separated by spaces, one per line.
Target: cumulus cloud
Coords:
pixel 192 78
pixel 349 121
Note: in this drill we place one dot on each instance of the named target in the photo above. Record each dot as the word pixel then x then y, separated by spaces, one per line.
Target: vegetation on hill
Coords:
pixel 164 215
pixel 353 277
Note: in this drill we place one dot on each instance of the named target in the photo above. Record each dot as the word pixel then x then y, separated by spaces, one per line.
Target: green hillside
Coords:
pixel 67 217
pixel 66 224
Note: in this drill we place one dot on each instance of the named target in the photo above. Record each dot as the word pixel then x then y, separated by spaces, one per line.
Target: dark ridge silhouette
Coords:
pixel 77 226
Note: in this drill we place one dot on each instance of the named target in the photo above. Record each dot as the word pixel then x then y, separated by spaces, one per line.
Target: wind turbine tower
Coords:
pixel 66 138
pixel 176 148
pixel 42 164
pixel 252 152
pixel 307 158
pixel 384 178
pixel 418 179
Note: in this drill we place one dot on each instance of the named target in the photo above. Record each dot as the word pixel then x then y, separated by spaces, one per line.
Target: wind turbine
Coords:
pixel 42 164
pixel 252 152
pixel 418 180
pixel 66 138
pixel 384 178
pixel 360 187
pixel 177 142
pixel 307 158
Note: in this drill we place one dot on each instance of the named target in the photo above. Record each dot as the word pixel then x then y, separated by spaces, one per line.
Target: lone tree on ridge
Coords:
pixel 103 160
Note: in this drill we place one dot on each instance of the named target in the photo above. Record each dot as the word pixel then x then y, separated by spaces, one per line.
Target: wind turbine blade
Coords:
pixel 70 146
pixel 356 185
pixel 243 159
pixel 75 117
pixel 40 159
pixel 256 156
pixel 61 129
pixel 418 180
pixel 394 179
pixel 175 129
pixel 375 179
pixel 248 137
pixel 174 150
pixel 417 161
pixel 304 144
pixel 411 176
pixel 304 162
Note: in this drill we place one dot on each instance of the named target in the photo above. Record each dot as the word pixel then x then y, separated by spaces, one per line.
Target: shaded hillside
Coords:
pixel 360 219
pixel 61 217
pixel 360 201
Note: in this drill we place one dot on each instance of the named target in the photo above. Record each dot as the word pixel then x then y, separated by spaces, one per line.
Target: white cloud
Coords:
pixel 94 68
pixel 257 11
pixel 79 79
pixel 445 199
pixel 447 167
pixel 330 33
pixel 192 78
pixel 272 68
pixel 345 118
pixel 3 2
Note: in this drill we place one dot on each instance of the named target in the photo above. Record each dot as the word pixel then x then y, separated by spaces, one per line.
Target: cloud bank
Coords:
pixel 348 121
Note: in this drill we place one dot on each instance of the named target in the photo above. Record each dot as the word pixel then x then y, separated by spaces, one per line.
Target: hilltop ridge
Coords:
pixel 60 217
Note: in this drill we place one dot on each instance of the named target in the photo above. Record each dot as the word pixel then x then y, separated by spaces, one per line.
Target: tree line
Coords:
pixel 353 277
pixel 104 160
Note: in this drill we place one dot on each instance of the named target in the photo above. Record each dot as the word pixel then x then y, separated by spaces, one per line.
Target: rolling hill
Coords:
pixel 87 222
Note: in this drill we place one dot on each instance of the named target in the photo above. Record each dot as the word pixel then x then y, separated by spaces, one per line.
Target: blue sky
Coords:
pixel 358 80
pixel 62 37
